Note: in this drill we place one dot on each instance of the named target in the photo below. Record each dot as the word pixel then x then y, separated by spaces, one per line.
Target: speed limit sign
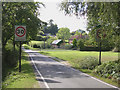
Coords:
pixel 20 33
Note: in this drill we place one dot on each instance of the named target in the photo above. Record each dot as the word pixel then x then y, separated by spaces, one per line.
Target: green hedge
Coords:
pixel 9 58
pixel 88 63
pixel 110 70
pixel 95 49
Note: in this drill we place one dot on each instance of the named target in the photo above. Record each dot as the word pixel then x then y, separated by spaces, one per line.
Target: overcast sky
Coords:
pixel 52 12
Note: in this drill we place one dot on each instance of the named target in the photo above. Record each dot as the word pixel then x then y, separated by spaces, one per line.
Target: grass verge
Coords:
pixel 25 79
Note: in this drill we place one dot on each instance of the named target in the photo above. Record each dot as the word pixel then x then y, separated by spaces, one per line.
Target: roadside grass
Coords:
pixel 73 55
pixel 25 79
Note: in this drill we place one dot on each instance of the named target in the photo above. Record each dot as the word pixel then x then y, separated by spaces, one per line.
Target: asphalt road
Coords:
pixel 53 74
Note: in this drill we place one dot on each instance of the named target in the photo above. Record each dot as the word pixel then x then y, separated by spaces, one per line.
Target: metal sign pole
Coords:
pixel 20 58
pixel 100 54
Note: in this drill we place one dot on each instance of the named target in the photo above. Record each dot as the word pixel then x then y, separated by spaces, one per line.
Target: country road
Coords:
pixel 53 74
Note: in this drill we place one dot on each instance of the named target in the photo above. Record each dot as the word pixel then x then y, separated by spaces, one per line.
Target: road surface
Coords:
pixel 53 74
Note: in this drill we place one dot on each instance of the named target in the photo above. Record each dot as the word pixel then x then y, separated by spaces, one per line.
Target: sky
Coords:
pixel 51 11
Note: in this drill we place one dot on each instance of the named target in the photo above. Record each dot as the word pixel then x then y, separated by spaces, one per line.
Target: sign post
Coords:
pixel 20 35
pixel 100 34
pixel 99 39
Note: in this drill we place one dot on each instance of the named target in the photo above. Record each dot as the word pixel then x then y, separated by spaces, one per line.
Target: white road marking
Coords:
pixel 101 81
pixel 96 79
pixel 40 73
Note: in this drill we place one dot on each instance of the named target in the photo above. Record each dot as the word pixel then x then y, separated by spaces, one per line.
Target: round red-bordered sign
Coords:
pixel 98 33
pixel 23 29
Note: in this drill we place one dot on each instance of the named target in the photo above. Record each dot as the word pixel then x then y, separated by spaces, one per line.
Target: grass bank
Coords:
pixel 72 55
pixel 25 79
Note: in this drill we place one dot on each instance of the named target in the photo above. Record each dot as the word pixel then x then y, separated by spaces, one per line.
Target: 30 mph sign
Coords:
pixel 20 33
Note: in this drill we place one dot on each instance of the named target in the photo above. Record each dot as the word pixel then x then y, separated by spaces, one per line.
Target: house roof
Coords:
pixel 76 36
pixel 56 41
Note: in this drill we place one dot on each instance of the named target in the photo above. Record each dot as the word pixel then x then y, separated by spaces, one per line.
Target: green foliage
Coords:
pixel 67 46
pixel 25 79
pixel 20 13
pixel 74 42
pixel 9 58
pixel 102 16
pixel 88 63
pixel 77 33
pixel 38 44
pixel 63 33
pixel 109 70
pixel 50 40
pixel 80 43
pixel 51 28
pixel 26 46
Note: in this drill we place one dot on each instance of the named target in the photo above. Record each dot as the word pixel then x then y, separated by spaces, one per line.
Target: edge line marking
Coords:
pixel 39 73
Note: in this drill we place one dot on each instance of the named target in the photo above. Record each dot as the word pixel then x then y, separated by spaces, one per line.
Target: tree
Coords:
pixel 63 33
pixel 104 14
pixel 74 42
pixel 24 13
pixel 51 28
pixel 77 33
pixel 17 13
pixel 72 33
pixel 80 43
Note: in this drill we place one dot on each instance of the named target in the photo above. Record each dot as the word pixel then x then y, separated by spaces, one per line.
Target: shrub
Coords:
pixel 36 44
pixel 74 42
pixel 26 46
pixel 67 46
pixel 108 70
pixel 80 44
pixel 88 63
pixel 10 57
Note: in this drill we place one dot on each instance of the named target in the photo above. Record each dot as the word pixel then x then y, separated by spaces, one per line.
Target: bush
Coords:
pixel 80 44
pixel 68 46
pixel 36 44
pixel 9 59
pixel 109 70
pixel 26 46
pixel 74 42
pixel 88 63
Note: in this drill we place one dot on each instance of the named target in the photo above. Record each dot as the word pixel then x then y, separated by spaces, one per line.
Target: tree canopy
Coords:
pixel 100 15
pixel 50 28
pixel 20 13
pixel 63 33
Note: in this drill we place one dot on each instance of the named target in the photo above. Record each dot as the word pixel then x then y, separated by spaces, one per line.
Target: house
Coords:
pixel 57 43
pixel 77 37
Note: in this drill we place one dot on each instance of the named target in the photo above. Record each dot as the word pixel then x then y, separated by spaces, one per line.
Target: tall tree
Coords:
pixel 50 28
pixel 63 33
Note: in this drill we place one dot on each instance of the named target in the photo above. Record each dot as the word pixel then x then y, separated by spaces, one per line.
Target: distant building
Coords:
pixel 77 37
pixel 57 43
